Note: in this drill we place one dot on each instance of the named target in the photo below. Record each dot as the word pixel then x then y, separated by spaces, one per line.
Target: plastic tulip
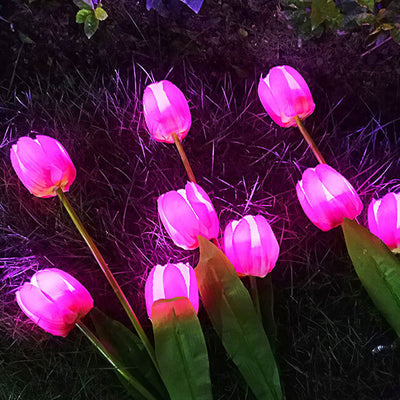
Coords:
pixel 43 165
pixel 327 197
pixel 167 116
pixel 166 111
pixel 384 220
pixel 169 281
pixel 54 300
pixel 287 99
pixel 251 246
pixel 285 94
pixel 45 168
pixel 187 213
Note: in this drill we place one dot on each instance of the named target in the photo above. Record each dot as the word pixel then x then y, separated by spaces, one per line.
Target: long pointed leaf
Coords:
pixel 181 350
pixel 233 316
pixel 378 270
pixel 129 353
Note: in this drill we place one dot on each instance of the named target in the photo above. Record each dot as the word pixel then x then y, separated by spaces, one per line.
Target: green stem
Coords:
pixel 254 294
pixel 108 274
pixel 97 343
pixel 267 309
pixel 309 140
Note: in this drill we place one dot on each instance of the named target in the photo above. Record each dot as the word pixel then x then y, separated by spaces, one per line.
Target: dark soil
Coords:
pixel 86 93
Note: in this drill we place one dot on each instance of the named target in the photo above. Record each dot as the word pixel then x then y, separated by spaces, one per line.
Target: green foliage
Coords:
pixel 232 313
pixel 90 16
pixel 181 350
pixel 313 17
pixel 325 11
pixel 129 355
pixel 378 270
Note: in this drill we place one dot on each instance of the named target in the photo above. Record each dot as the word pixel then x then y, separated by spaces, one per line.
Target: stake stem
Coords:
pixel 108 274
pixel 309 140
pixel 184 158
pixel 97 343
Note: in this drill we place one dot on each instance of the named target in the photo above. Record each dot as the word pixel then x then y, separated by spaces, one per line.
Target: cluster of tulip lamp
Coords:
pixel 55 300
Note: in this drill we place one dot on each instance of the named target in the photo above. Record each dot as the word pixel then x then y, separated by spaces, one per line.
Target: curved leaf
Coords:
pixel 181 350
pixel 378 270
pixel 233 316
pixel 128 352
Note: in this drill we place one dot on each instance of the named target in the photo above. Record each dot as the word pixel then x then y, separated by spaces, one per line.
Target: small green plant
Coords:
pixel 90 14
pixel 313 17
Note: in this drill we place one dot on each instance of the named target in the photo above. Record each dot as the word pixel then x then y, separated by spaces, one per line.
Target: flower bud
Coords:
pixel 327 197
pixel 285 94
pixel 42 165
pixel 54 300
pixel 169 281
pixel 384 220
pixel 251 246
pixel 166 111
pixel 187 213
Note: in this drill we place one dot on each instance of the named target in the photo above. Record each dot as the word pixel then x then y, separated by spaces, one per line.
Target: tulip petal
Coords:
pixel 60 286
pixel 269 246
pixel 45 313
pixel 178 219
pixel 204 209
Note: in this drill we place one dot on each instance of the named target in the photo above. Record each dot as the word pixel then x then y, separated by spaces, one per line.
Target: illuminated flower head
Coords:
pixel 327 197
pixel 43 165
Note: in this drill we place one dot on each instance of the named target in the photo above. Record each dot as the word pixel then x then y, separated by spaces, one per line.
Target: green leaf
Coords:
pixel 91 25
pixel 233 316
pixel 100 13
pixel 378 270
pixel 181 350
pixel 325 11
pixel 367 3
pixel 266 296
pixel 395 34
pixel 81 15
pixel 84 4
pixel 129 354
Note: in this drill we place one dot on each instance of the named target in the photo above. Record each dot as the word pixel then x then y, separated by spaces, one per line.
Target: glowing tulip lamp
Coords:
pixel 169 281
pixel 54 300
pixel 45 168
pixel 384 220
pixel 287 99
pixel 187 213
pixel 167 116
pixel 327 197
pixel 251 246
pixel 43 165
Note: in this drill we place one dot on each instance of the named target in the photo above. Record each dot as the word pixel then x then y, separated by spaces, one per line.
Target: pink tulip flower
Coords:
pixel 54 300
pixel 285 94
pixel 251 246
pixel 327 197
pixel 42 165
pixel 384 220
pixel 187 213
pixel 166 111
pixel 169 281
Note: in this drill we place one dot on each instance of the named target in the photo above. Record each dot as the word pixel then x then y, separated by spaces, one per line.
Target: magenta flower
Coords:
pixel 166 111
pixel 169 281
pixel 285 94
pixel 384 220
pixel 187 213
pixel 251 246
pixel 42 165
pixel 54 300
pixel 327 197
